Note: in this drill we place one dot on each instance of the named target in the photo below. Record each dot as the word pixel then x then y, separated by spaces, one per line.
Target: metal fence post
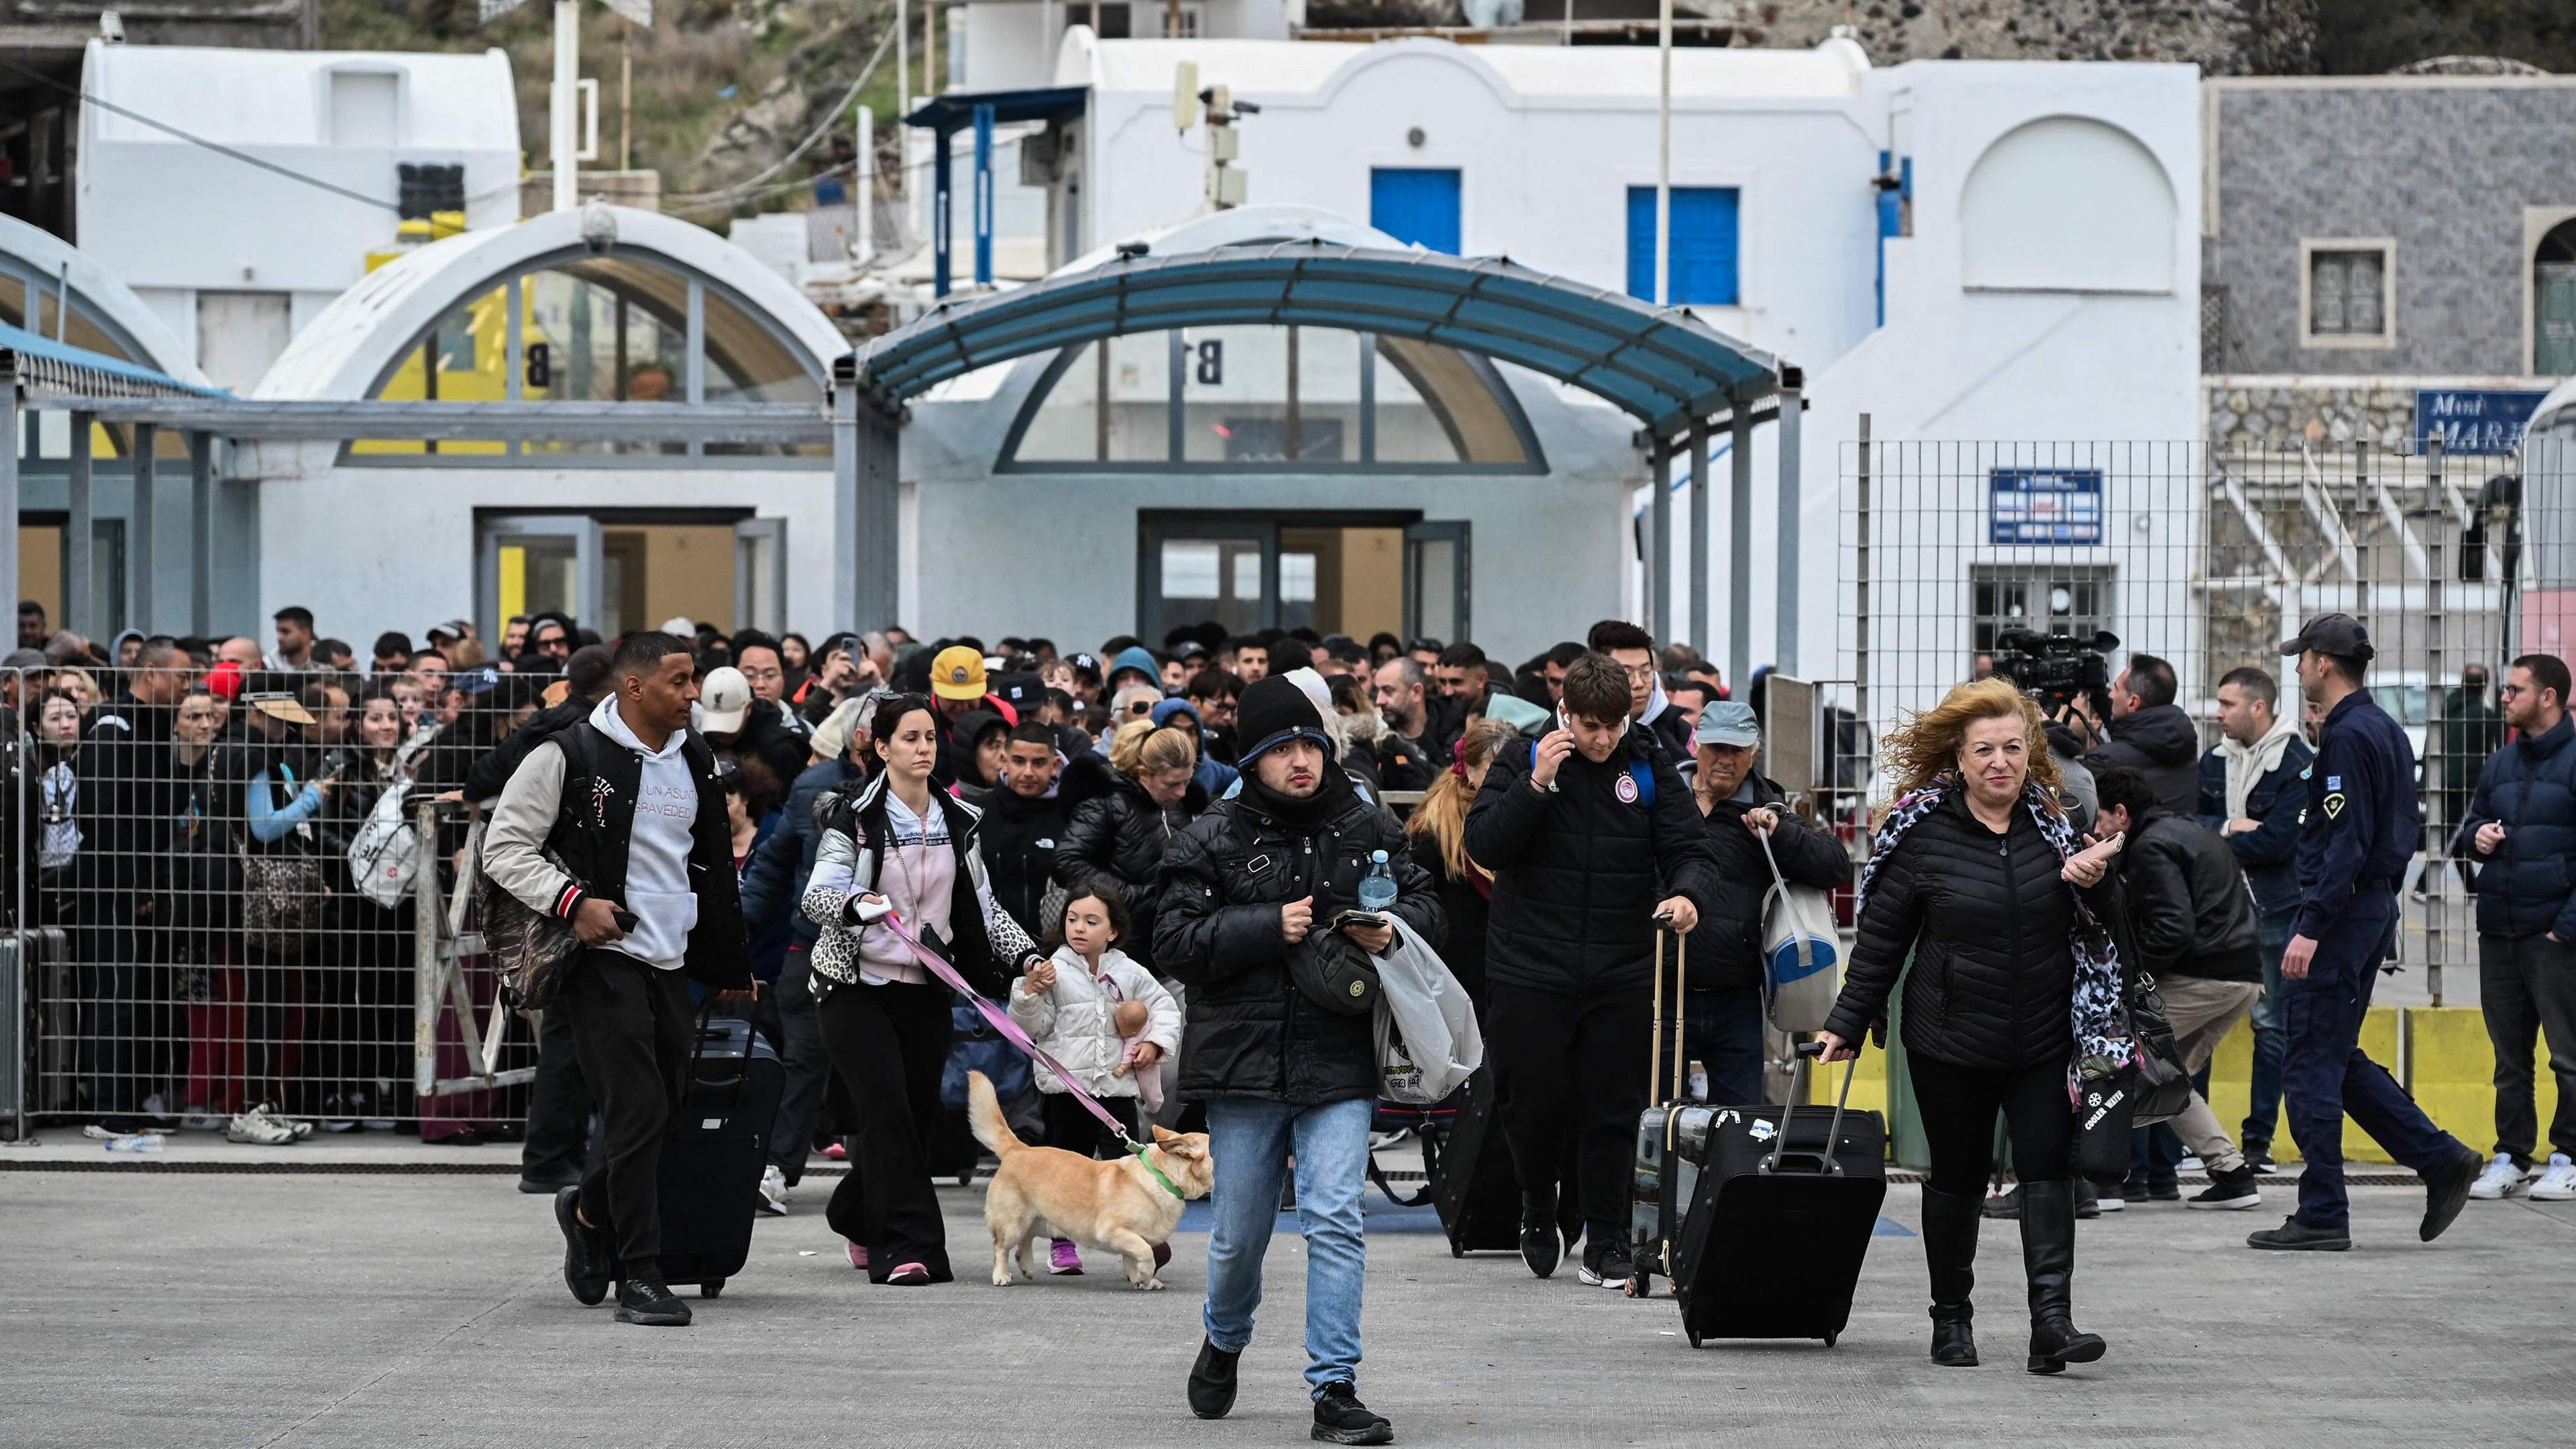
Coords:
pixel 427 966
pixel 1860 616
pixel 2437 853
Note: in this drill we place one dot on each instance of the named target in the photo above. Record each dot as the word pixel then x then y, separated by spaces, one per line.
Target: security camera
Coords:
pixel 598 227
pixel 1130 250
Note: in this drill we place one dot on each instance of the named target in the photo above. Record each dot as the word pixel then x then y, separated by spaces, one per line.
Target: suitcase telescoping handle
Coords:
pixel 1655 1054
pixel 1807 1052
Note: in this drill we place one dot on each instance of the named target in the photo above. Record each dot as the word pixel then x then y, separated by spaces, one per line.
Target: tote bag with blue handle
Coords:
pixel 1799 951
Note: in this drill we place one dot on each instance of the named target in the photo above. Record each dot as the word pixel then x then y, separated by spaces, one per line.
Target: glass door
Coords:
pixel 1194 570
pixel 760 575
pixel 532 563
pixel 1436 586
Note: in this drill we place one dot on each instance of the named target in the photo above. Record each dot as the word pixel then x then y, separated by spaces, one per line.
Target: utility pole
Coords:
pixel 563 136
pixel 1664 156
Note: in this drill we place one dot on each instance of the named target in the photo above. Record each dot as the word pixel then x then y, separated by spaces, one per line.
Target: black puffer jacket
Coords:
pixel 1121 833
pixel 1578 870
pixel 1988 922
pixel 2190 913
pixel 1726 950
pixel 1466 908
pixel 2529 885
pixel 2160 743
pixel 1216 932
pixel 1019 840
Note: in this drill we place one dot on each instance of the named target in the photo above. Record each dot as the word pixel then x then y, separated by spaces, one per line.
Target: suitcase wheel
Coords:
pixel 1829 1339
pixel 714 1288
pixel 1639 1286
pixel 1456 1252
pixel 1694 1337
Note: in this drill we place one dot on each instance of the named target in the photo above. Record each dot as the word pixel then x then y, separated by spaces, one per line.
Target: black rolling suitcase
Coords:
pixel 710 1179
pixel 1780 1216
pixel 1671 1139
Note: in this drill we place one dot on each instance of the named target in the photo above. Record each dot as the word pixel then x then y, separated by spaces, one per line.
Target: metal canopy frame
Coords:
pixel 1664 366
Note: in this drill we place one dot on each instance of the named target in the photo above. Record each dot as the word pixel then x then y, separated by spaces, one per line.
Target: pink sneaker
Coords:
pixel 836 1152
pixel 908 1275
pixel 1063 1258
pixel 858 1257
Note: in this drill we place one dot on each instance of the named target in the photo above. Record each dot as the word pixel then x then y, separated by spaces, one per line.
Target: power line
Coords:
pixel 749 183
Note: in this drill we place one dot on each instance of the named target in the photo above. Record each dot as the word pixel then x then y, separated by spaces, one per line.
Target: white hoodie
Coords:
pixel 657 854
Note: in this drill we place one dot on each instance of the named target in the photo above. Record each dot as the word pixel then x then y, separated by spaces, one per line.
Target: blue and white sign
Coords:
pixel 2481 423
pixel 2044 505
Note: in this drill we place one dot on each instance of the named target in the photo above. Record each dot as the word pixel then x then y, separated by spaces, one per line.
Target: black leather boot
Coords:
pixel 2048 1256
pixel 1950 1247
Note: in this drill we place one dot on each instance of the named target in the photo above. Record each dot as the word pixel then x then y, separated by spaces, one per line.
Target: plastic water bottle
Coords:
pixel 1377 888
pixel 148 1144
pixel 1698 1082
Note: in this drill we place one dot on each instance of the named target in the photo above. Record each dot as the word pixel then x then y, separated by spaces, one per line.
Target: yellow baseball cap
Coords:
pixel 958 673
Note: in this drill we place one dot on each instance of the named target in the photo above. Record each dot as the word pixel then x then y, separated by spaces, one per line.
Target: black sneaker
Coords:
pixel 2297 1237
pixel 2160 1192
pixel 588 1260
pixel 2258 1157
pixel 1605 1266
pixel 1340 1418
pixel 1212 1381
pixel 2228 1192
pixel 2005 1204
pixel 2445 1193
pixel 646 1301
pixel 1541 1248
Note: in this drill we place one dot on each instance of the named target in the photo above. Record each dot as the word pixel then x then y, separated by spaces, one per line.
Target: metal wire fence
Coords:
pixel 240 892
pixel 1954 556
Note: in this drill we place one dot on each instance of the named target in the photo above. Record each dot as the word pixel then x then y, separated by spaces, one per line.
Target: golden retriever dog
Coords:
pixel 1116 1206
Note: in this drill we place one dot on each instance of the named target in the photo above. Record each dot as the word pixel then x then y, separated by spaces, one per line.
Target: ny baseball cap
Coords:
pixel 2338 634
pixel 724 700
pixel 958 673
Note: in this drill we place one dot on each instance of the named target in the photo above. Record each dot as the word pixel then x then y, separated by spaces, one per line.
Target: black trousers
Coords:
pixel 1958 1106
pixel 2527 990
pixel 890 1043
pixel 1573 1065
pixel 802 1062
pixel 630 1031
pixel 1071 1127
pixel 559 1105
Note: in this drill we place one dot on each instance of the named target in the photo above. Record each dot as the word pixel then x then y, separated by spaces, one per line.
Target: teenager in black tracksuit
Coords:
pixel 1590 835
pixel 623 813
pixel 1023 821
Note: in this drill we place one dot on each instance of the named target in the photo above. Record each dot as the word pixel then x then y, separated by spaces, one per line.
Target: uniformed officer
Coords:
pixel 2354 841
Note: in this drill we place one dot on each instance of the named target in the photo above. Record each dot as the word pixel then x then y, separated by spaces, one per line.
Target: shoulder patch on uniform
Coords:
pixel 2334 804
pixel 2334 782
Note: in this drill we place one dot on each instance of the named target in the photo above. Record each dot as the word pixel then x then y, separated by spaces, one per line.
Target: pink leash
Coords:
pixel 1000 1021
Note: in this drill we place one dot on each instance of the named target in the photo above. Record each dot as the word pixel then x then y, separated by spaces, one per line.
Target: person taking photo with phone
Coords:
pixel 629 803
pixel 1594 845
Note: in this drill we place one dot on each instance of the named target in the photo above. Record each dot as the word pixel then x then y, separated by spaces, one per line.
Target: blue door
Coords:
pixel 1703 245
pixel 1416 205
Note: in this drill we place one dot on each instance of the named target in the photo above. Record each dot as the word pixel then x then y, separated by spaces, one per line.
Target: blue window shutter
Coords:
pixel 1703 246
pixel 1416 205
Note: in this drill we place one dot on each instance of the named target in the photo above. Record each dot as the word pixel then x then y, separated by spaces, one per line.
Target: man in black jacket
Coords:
pixel 617 826
pixel 1648 705
pixel 1722 1014
pixel 1250 896
pixel 2150 734
pixel 2192 922
pixel 1022 821
pixel 1592 841
pixel 2522 823
pixel 2253 789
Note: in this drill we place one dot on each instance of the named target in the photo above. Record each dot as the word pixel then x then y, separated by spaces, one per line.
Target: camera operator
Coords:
pixel 2150 734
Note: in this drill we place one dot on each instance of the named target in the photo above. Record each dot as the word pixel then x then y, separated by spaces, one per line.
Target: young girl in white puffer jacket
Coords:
pixel 1070 1004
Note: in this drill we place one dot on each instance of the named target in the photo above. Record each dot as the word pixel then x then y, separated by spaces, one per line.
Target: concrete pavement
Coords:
pixel 312 1310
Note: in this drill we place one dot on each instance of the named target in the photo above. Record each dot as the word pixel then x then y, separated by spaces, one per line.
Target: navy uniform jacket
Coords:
pixel 2361 823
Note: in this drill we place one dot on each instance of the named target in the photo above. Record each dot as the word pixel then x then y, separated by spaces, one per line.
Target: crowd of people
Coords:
pixel 1151 852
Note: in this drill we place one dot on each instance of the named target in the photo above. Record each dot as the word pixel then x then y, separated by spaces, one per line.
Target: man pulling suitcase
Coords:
pixel 617 825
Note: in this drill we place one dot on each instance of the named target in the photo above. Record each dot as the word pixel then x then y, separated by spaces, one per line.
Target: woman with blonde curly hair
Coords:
pixel 1977 875
pixel 1120 818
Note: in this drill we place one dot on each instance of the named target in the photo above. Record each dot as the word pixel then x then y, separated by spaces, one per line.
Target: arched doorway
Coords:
pixel 2553 302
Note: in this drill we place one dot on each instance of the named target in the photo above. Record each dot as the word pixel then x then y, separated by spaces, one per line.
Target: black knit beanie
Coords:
pixel 1273 711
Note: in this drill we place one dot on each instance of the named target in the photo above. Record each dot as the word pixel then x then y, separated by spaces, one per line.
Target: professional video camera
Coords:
pixel 2056 669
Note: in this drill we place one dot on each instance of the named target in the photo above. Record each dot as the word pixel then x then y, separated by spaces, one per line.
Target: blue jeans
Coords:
pixel 2272 934
pixel 1722 1031
pixel 2327 1074
pixel 1251 1141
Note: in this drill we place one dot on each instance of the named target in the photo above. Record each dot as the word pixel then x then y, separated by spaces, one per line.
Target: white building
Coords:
pixel 1963 251
pixel 237 259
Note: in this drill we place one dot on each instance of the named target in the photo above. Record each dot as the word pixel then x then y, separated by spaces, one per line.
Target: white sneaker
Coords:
pixel 2558 1184
pixel 258 1129
pixel 773 1192
pixel 2500 1178
pixel 2190 1164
